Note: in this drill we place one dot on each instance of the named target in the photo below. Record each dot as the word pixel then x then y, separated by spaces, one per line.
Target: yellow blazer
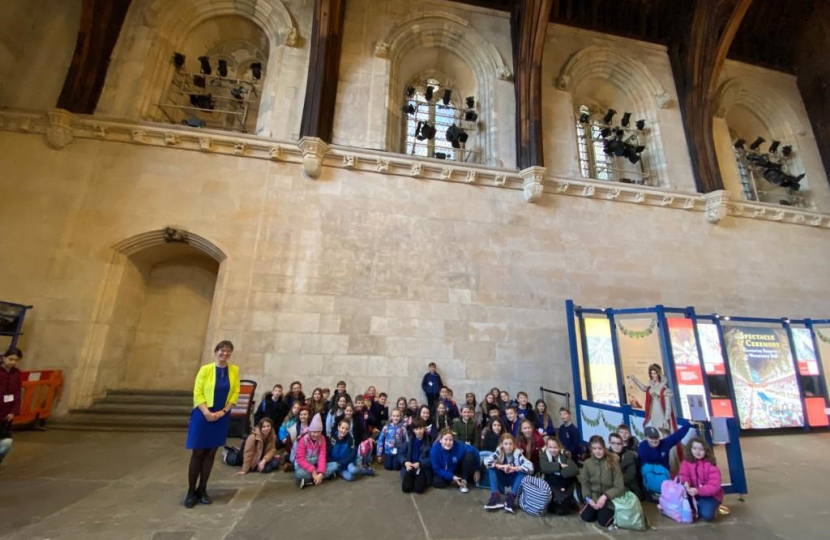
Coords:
pixel 206 383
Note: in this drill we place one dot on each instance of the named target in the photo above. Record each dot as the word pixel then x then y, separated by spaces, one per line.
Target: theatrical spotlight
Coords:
pixel 626 120
pixel 739 144
pixel 178 60
pixel 429 92
pixel 223 68
pixel 584 117
pixel 614 146
pixel 238 93
pixel 410 91
pixel 203 101
pixel 471 116
pixel 471 102
pixel 609 116
pixel 445 99
pixel 409 109
pixel 425 131
pixel 605 132
pixel 256 70
pixel 641 125
pixel 773 148
pixel 456 136
pixel 757 144
pixel 787 150
pixel 205 62
pixel 199 81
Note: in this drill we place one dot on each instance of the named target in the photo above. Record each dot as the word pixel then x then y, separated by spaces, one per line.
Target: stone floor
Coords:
pixel 83 485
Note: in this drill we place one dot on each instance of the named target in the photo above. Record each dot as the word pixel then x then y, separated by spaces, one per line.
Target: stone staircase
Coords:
pixel 131 410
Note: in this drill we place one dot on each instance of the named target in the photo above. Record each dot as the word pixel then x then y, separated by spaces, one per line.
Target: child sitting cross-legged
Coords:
pixel 392 438
pixel 416 473
pixel 311 466
pixel 507 468
pixel 343 452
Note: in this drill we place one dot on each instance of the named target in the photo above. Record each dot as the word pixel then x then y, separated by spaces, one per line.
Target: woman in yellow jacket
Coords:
pixel 214 395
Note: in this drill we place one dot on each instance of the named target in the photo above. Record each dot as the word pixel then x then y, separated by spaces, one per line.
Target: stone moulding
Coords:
pixel 62 129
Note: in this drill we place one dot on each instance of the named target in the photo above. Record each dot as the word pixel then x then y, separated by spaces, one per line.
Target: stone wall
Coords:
pixel 366 276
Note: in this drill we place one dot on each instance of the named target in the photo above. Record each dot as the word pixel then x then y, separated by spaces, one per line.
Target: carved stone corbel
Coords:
pixel 291 37
pixel 500 179
pixel 382 49
pixel 471 177
pixel 532 182
pixel 717 205
pixel 59 133
pixel 314 151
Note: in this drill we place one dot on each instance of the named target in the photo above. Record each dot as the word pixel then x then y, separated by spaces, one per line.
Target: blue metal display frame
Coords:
pixel 18 331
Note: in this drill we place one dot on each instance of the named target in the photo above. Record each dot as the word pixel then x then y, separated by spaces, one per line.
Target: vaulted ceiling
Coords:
pixel 767 36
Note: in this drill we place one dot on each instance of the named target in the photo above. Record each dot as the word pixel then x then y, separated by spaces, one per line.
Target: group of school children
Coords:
pixel 497 443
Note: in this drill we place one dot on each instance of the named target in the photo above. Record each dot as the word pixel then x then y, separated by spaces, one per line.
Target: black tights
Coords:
pixel 201 463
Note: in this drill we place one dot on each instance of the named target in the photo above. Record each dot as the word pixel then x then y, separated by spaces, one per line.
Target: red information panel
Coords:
pixel 722 407
pixel 816 412
pixel 687 369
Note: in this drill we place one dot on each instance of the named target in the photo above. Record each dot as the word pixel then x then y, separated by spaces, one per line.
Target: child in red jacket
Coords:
pixel 10 394
pixel 701 477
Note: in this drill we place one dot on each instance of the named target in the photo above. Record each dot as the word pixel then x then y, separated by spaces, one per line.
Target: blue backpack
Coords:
pixel 653 477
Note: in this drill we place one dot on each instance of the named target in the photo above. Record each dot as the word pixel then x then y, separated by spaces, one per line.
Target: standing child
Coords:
pixel 453 463
pixel 544 423
pixel 311 465
pixel 602 482
pixel 561 474
pixel 701 477
pixel 465 428
pixel 431 384
pixel 10 390
pixel 569 435
pixel 530 442
pixel 507 467
pixel 390 442
pixel 416 473
pixel 343 452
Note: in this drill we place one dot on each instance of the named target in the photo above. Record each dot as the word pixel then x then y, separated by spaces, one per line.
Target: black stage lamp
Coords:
pixel 626 119
pixel 471 102
pixel 440 155
pixel 223 68
pixel 605 132
pixel 410 91
pixel 445 99
pixel 199 81
pixel 463 137
pixel 470 116
pixel 178 60
pixel 773 148
pixel 409 109
pixel 428 131
pixel 757 144
pixel 428 94
pixel 641 125
pixel 609 116
pixel 615 147
pixel 739 144
pixel 454 136
pixel 256 70
pixel 787 150
pixel 202 101
pixel 639 149
pixel 633 158
pixel 205 62
pixel 584 117
pixel 238 93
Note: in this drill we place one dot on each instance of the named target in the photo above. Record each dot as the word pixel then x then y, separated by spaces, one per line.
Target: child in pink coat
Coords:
pixel 701 477
pixel 310 465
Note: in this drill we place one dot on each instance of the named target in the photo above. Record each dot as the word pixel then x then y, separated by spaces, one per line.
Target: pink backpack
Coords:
pixel 674 502
pixel 364 450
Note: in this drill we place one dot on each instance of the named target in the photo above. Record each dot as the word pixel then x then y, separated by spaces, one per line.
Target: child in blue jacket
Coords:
pixel 416 473
pixel 343 451
pixel 453 462
pixel 391 441
pixel 654 457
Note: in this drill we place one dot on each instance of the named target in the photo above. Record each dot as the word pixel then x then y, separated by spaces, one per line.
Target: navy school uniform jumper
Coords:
pixel 416 451
pixel 461 460
pixel 431 384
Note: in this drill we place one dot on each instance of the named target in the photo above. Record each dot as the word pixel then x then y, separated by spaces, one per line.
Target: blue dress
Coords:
pixel 202 434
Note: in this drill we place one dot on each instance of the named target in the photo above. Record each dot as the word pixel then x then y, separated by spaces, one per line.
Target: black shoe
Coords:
pixel 190 499
pixel 204 498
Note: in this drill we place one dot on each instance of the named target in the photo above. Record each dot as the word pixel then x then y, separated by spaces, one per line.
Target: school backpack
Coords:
pixel 674 502
pixel 628 513
pixel 366 449
pixel 232 456
pixel 653 477
pixel 534 496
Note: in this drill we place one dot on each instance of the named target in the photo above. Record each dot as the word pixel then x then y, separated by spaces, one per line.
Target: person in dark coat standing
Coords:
pixel 10 386
pixel 431 384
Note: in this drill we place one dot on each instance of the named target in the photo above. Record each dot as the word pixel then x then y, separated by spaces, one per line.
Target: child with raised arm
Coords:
pixel 654 458
pixel 506 467
pixel 465 428
pixel 431 384
pixel 416 473
pixel 561 475
pixel 392 438
pixel 701 477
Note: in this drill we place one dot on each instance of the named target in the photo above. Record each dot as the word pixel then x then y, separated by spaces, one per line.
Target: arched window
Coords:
pixel 430 112
pixel 608 151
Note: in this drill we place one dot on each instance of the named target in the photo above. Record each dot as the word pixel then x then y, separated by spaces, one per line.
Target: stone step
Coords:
pixel 119 428
pixel 147 400
pixel 156 409
pixel 168 393
pixel 108 421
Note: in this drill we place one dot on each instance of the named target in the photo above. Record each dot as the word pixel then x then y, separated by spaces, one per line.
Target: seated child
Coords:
pixel 561 474
pixel 629 463
pixel 506 468
pixel 260 449
pixel 701 477
pixel 654 458
pixel 630 442
pixel 504 400
pixel 340 390
pixel 311 467
pixel 569 435
pixel 530 442
pixel 544 423
pixel 425 414
pixel 522 409
pixel 453 462
pixel 465 428
pixel 392 438
pixel 416 473
pixel 602 482
pixel 491 435
pixel 343 452
pixel 450 406
pixel 336 414
pixel 512 421
pixel 442 420
pixel 273 406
